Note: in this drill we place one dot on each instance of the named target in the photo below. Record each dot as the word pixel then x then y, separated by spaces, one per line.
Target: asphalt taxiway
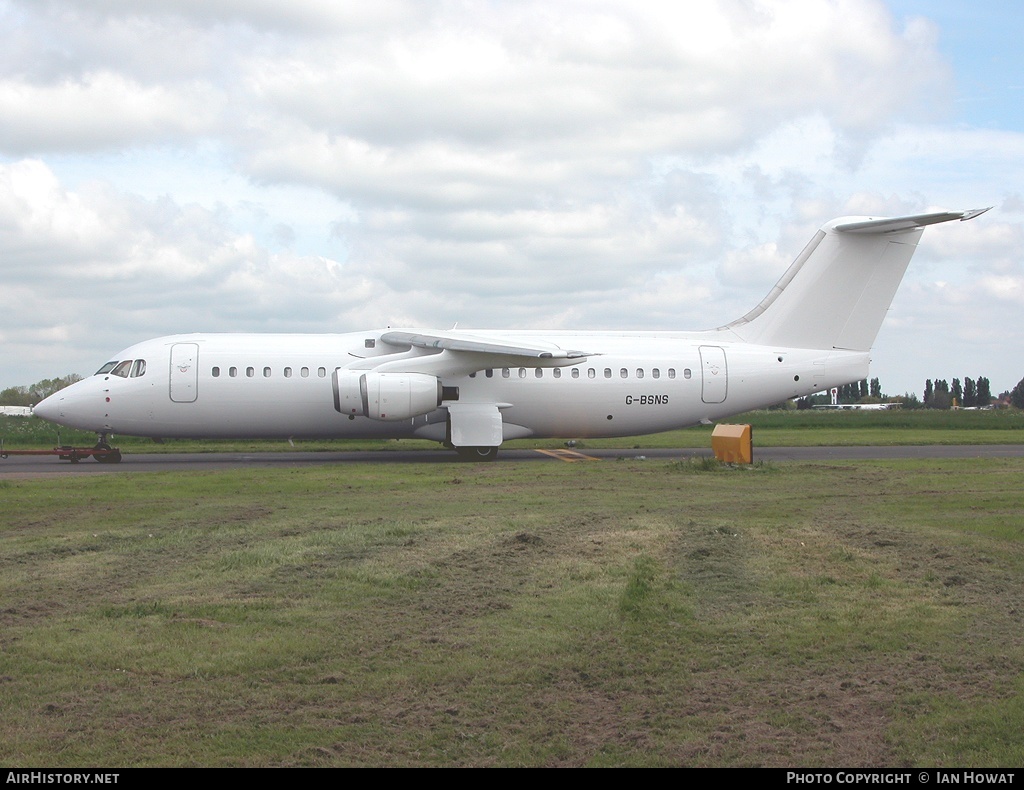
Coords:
pixel 47 466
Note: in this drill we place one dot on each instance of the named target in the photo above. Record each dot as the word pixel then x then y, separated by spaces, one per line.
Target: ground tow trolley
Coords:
pixel 101 451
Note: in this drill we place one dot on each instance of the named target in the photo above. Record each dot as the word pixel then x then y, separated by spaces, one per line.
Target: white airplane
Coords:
pixel 474 390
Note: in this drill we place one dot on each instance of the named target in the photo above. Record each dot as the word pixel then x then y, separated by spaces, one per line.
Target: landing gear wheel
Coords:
pixel 107 456
pixel 477 453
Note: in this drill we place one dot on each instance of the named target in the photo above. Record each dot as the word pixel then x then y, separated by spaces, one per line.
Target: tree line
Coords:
pixel 970 394
pixel 938 394
pixel 1017 395
pixel 30 396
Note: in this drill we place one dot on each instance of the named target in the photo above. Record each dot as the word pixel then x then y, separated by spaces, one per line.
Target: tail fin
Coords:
pixel 836 293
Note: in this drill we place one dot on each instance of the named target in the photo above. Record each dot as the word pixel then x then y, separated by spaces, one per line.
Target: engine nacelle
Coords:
pixel 386 396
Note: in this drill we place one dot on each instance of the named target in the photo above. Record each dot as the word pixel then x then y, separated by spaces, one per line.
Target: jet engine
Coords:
pixel 388 396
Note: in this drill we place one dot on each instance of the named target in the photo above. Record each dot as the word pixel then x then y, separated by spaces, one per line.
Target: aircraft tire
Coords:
pixel 477 453
pixel 109 457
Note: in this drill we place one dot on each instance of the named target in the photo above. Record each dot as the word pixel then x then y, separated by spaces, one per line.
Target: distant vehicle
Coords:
pixel 474 390
pixel 16 411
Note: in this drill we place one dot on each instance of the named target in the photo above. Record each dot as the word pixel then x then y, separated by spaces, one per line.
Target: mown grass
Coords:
pixel 616 613
pixel 770 429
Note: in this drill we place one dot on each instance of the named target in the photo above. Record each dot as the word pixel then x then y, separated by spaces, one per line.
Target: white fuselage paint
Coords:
pixel 179 396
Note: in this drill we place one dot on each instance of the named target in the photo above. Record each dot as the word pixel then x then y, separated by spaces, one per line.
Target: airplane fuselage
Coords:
pixel 284 386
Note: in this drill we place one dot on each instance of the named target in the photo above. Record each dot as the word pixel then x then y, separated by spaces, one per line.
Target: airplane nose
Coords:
pixel 49 408
pixel 77 406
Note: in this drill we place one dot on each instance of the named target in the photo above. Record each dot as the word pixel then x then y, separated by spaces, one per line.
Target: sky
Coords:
pixel 331 166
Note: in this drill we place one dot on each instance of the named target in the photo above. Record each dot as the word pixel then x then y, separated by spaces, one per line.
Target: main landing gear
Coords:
pixel 477 453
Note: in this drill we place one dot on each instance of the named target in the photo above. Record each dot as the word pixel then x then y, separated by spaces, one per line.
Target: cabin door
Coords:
pixel 184 372
pixel 714 374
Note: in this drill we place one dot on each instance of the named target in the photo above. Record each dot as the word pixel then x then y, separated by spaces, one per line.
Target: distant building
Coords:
pixel 16 411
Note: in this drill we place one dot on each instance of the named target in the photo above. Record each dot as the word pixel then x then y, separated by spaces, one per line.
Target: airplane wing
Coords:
pixel 441 353
pixel 458 341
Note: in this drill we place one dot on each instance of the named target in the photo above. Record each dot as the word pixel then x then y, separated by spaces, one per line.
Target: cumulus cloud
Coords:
pixel 101 110
pixel 549 99
pixel 585 164
pixel 538 79
pixel 97 268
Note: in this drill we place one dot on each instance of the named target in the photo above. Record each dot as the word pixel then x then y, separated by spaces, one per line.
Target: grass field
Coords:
pixel 770 428
pixel 612 613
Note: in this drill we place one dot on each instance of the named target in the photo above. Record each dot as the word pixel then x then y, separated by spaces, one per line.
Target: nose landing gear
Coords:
pixel 103 452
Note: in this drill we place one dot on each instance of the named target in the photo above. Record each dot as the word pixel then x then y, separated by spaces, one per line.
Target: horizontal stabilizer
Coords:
pixel 891 224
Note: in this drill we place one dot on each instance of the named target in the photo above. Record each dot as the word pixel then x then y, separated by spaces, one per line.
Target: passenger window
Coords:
pixel 250 372
pixel 122 369
pixel 107 368
pixel 139 368
pixel 305 373
pixel 321 372
pixel 232 371
pixel 671 373
pixel 623 373
pixel 266 373
pixel 539 373
pixel 639 373
pixel 216 372
pixel 686 373
pixel 656 374
pixel 591 373
pixel 505 373
pixel 522 373
pixel 287 373
pixel 575 373
pixel 557 373
pixel 472 375
pixel 607 373
pixel 489 373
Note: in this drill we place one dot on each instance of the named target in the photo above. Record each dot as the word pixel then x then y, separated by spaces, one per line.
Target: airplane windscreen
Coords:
pixel 106 368
pixel 122 369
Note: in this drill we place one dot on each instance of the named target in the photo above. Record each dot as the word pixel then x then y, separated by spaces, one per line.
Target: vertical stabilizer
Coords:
pixel 836 293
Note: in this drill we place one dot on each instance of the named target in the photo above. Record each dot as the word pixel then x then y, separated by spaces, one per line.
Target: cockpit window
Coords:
pixel 106 368
pixel 139 368
pixel 122 369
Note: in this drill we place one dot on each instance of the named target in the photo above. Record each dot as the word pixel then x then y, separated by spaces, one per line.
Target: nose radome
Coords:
pixel 83 405
pixel 48 408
